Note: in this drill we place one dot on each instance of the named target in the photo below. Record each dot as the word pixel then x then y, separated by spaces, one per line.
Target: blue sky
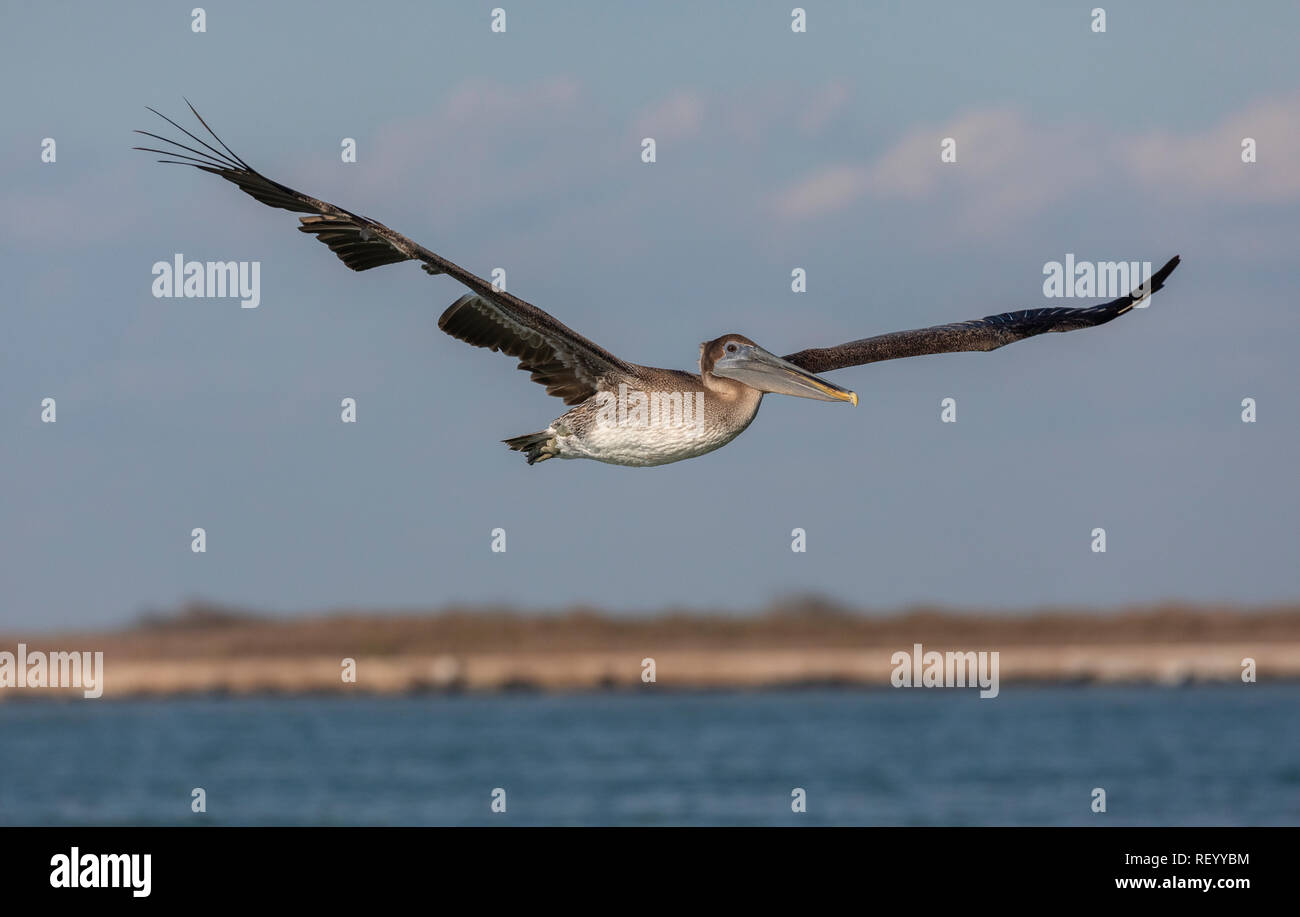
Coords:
pixel 775 151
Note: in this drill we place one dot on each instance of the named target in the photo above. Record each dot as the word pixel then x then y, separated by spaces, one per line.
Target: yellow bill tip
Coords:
pixel 853 398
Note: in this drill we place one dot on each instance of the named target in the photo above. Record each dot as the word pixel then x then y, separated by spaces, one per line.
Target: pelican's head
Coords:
pixel 736 357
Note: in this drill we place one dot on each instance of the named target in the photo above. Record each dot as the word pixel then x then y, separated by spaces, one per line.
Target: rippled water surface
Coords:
pixel 1199 755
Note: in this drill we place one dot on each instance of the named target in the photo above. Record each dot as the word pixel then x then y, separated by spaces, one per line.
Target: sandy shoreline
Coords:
pixel 679 669
pixel 207 653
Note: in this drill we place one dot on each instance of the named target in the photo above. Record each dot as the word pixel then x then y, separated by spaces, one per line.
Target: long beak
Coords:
pixel 767 372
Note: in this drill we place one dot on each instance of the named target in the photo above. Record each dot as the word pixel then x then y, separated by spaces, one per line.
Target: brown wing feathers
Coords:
pixel 568 370
pixel 570 366
pixel 353 240
pixel 360 243
pixel 987 333
pixel 566 363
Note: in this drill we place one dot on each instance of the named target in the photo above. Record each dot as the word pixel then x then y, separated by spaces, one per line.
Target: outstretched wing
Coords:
pixel 981 334
pixel 569 365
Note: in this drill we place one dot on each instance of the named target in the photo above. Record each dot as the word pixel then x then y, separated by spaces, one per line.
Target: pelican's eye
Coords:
pixel 732 348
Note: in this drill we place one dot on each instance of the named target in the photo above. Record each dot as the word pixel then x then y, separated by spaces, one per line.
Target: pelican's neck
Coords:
pixel 727 398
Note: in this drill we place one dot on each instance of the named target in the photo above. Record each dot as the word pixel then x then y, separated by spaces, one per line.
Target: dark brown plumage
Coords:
pixel 987 333
pixel 714 406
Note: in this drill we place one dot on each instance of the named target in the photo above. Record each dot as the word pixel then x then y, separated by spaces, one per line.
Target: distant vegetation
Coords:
pixel 206 649
pixel 207 630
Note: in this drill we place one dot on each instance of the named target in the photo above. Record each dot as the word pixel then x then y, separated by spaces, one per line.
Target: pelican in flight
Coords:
pixel 623 413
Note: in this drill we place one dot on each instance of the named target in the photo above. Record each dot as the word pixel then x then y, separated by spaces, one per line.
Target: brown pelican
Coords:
pixel 623 413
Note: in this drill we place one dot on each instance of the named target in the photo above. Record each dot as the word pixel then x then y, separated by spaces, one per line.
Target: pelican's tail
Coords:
pixel 538 447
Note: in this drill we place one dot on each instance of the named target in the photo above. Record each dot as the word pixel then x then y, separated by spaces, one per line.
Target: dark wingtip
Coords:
pixel 1160 276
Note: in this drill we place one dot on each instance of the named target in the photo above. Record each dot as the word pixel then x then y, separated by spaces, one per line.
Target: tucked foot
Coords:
pixel 538 447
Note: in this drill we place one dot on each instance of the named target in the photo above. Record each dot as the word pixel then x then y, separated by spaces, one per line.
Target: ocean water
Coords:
pixel 1165 756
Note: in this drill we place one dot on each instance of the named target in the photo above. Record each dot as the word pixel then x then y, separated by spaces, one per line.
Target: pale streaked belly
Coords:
pixel 643 446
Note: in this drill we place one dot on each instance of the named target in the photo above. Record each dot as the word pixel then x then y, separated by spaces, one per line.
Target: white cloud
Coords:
pixel 822 106
pixel 1209 162
pixel 676 117
pixel 825 191
pixel 1011 168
